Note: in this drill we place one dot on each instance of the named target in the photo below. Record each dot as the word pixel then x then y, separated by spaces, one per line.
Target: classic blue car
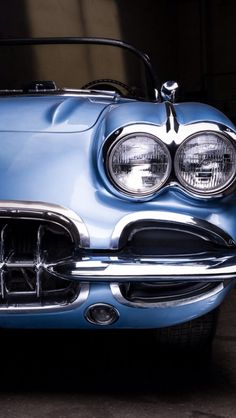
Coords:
pixel 117 206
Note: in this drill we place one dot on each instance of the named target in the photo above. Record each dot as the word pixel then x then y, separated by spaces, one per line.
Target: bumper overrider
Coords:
pixel 125 286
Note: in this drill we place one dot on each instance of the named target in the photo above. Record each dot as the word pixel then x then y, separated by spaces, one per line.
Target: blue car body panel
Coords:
pixel 51 151
pixel 130 317
pixel 198 112
pixel 49 113
pixel 63 168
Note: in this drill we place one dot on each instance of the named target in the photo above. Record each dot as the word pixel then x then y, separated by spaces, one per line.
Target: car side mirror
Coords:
pixel 168 90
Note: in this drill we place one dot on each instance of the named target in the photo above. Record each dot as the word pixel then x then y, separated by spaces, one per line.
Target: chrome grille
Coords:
pixel 26 247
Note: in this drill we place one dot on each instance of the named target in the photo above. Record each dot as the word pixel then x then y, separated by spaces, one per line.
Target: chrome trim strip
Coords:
pixel 53 212
pixel 203 228
pixel 115 289
pixel 202 267
pixel 34 308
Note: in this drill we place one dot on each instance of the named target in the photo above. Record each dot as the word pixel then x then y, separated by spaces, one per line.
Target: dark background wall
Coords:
pixel 191 41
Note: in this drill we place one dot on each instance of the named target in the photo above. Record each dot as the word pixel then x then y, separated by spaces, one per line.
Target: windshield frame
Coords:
pixel 154 82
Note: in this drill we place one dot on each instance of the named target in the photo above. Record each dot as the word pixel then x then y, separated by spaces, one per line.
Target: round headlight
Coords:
pixel 205 163
pixel 138 164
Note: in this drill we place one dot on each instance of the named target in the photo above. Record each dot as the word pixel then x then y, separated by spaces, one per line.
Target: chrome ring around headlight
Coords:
pixel 205 163
pixel 138 164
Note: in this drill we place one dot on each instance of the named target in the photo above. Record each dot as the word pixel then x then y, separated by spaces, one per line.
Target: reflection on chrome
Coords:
pixel 104 268
pixel 24 209
pixel 81 298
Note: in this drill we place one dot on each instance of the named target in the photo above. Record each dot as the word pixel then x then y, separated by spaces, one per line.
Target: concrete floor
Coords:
pixel 110 375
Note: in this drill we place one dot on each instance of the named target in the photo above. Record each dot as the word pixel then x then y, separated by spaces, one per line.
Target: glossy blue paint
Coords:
pixel 62 168
pixel 129 113
pixel 198 112
pixel 49 113
pixel 130 317
pixel 51 152
pixel 30 171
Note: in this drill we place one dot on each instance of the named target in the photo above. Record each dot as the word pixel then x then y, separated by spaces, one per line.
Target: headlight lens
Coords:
pixel 205 163
pixel 138 164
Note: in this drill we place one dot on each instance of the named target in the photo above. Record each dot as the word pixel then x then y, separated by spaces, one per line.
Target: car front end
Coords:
pixel 115 212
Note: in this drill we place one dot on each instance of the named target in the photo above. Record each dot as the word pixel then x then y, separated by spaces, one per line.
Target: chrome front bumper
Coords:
pixel 99 268
pixel 99 276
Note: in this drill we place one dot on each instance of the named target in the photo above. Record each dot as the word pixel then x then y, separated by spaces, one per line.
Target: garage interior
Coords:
pixel 122 374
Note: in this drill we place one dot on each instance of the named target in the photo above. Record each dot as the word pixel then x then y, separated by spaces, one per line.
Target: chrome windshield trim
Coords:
pixel 203 228
pixel 56 213
pixel 201 267
pixel 115 289
pixel 37 308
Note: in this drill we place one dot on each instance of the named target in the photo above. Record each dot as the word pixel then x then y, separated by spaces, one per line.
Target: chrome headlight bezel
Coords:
pixel 121 187
pixel 216 191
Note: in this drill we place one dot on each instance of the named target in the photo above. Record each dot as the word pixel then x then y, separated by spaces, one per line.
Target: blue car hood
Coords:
pixel 79 113
pixel 74 113
pixel 50 113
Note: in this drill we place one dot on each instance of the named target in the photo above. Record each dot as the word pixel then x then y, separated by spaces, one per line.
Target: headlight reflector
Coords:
pixel 138 164
pixel 205 162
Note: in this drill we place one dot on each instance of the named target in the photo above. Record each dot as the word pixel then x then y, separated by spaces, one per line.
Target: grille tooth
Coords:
pixel 40 233
pixel 25 248
pixel 2 246
pixel 38 282
pixel 3 288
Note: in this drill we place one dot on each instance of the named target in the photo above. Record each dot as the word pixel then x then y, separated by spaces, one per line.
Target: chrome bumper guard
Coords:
pixel 203 267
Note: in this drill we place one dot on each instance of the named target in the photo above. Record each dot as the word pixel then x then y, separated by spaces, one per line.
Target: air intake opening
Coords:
pixel 151 238
pixel 164 291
